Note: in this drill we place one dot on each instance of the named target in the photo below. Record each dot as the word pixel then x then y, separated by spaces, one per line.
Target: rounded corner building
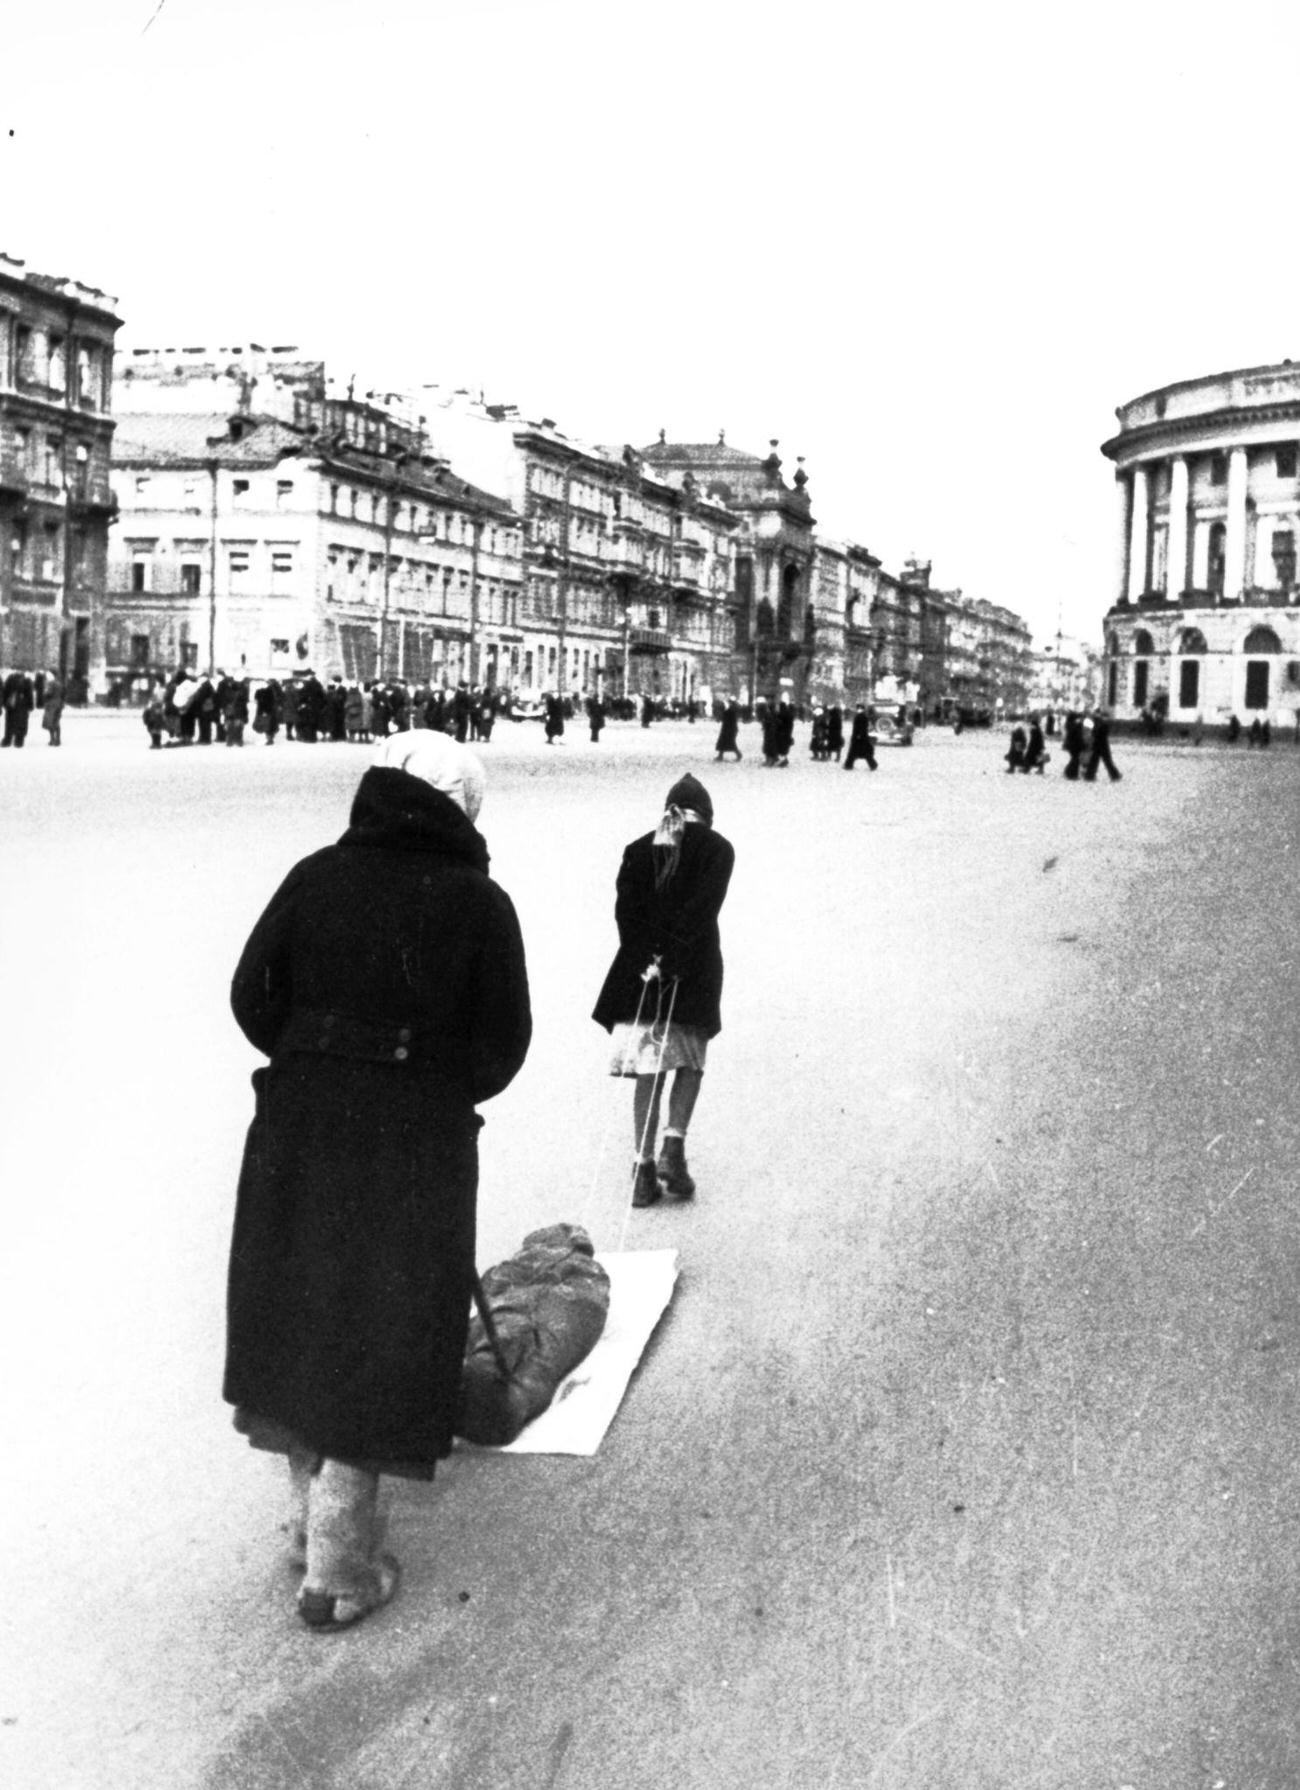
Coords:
pixel 1206 619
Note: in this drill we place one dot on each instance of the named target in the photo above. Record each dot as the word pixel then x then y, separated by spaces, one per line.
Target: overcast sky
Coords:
pixel 930 246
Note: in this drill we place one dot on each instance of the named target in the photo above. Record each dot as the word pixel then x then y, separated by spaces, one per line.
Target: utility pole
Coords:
pixel 212 574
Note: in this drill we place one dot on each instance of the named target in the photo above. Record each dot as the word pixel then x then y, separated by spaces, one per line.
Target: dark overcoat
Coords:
pixel 386 982
pixel 678 924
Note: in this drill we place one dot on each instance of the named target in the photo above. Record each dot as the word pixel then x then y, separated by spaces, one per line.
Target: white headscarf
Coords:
pixel 436 759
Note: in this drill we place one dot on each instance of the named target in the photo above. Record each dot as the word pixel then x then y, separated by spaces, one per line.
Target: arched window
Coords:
pixel 1112 645
pixel 1142 642
pixel 1191 640
pixel 1261 640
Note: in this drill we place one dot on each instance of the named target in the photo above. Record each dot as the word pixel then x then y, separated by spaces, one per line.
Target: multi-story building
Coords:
pixel 1205 613
pixel 774 640
pixel 269 524
pixel 627 576
pixel 56 502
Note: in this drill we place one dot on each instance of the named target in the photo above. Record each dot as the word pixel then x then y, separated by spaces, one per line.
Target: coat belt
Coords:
pixel 344 1035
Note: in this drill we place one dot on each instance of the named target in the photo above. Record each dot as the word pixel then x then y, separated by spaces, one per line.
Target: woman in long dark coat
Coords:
pixel 729 732
pixel 662 998
pixel 386 982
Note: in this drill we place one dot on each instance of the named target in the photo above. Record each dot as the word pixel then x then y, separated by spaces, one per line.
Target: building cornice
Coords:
pixel 1146 441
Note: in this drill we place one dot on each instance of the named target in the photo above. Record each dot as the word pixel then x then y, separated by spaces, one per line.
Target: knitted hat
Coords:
pixel 689 792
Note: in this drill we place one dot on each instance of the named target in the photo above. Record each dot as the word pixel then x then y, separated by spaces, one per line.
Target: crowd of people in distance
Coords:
pixel 23 693
pixel 192 710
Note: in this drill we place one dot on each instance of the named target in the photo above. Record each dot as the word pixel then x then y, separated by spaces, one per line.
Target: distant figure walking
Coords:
pixel 1100 753
pixel 554 718
pixel 729 732
pixel 52 710
pixel 1074 743
pixel 861 744
pixel 1037 757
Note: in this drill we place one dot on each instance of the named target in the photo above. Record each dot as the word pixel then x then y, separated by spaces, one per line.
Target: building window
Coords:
pixel 191 578
pixel 139 574
pixel 239 491
pixel 334 500
pixel 1217 559
pixel 1257 683
pixel 283 493
pixel 1189 683
pixel 140 653
pixel 1218 469
pixel 1286 459
pixel 281 566
pixel 239 562
pixel 1284 556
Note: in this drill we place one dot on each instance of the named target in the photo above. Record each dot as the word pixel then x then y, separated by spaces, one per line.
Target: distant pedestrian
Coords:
pixel 662 997
pixel 595 717
pixel 154 719
pixel 1073 743
pixel 1100 752
pixel 268 706
pixel 1234 730
pixel 834 731
pixel 784 730
pixel 52 710
pixel 861 742
pixel 554 717
pixel 19 696
pixel 728 740
pixel 1015 752
pixel 1037 758
pixel 234 715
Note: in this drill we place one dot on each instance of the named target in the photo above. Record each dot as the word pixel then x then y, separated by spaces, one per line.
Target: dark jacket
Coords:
pixel 386 982
pixel 678 923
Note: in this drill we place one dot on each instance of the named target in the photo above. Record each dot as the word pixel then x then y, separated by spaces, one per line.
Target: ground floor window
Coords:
pixel 1189 683
pixel 1257 683
pixel 1112 685
pixel 1141 671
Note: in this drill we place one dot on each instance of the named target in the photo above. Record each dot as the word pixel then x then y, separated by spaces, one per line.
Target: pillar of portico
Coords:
pixel 1121 536
pixel 1139 533
pixel 1176 576
pixel 1234 541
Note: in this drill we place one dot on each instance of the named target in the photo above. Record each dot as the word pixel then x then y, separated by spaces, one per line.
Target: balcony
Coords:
pixel 650 640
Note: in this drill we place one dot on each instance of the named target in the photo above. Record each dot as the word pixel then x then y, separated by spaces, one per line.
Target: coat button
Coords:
pixel 404 1036
pixel 328 1020
pixel 401 1053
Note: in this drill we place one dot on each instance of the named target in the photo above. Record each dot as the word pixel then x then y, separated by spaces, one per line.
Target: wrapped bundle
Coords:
pixel 541 1312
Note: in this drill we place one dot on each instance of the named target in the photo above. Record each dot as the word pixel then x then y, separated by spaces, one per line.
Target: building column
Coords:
pixel 1234 544
pixel 1122 489
pixel 1176 577
pixel 1138 533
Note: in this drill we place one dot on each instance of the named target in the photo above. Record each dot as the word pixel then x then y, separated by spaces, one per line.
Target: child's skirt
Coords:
pixel 644 1049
